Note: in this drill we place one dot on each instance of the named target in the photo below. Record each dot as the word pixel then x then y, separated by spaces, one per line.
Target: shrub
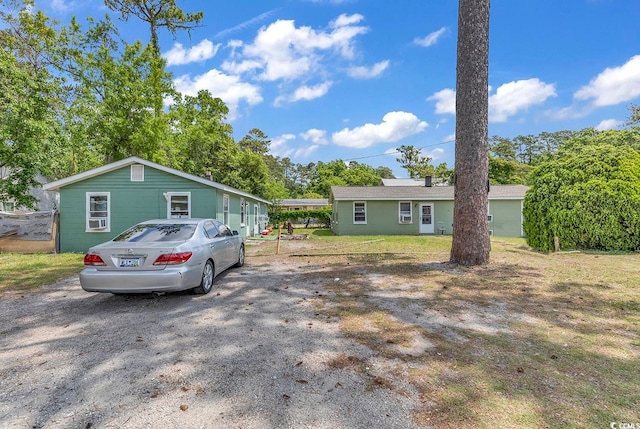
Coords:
pixel 588 196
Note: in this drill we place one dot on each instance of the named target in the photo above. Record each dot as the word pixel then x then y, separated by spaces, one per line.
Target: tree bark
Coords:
pixel 471 245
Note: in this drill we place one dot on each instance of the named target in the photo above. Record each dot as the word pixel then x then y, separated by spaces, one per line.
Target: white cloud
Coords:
pixel 178 55
pixel 246 24
pixel 394 127
pixel 311 92
pixel 445 101
pixel 319 137
pixel 368 72
pixel 614 85
pixel 514 97
pixel 60 5
pixel 279 146
pixel 609 124
pixel 430 39
pixel 510 98
pixel 228 88
pixel 449 138
pixel 305 93
pixel 284 51
pixel 305 152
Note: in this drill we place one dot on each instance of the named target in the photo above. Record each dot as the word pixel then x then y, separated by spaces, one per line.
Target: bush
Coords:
pixel 588 196
pixel 322 216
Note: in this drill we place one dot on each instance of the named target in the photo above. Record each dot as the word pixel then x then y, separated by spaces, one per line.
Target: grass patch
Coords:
pixel 530 340
pixel 31 271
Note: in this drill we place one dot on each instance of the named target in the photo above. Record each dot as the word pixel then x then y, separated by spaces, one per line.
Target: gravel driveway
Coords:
pixel 251 354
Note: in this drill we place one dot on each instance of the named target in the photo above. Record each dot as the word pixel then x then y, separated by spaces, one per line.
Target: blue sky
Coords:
pixel 355 79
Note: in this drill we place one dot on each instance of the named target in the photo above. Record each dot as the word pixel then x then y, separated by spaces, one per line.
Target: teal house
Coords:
pixel 415 210
pixel 98 204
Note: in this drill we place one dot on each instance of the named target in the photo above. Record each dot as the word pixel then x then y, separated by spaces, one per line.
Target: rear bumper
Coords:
pixel 167 280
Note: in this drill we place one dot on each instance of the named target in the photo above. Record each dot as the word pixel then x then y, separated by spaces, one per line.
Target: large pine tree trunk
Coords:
pixel 471 245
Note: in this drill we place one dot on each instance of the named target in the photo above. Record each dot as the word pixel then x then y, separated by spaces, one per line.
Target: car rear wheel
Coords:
pixel 240 258
pixel 206 284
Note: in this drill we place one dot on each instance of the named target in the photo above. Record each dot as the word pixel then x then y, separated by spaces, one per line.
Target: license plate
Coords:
pixel 129 262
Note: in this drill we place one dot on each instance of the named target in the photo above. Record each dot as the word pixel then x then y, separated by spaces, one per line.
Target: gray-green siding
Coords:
pixel 383 218
pixel 132 202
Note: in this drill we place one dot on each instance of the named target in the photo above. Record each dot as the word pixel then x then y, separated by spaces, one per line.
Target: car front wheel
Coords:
pixel 240 258
pixel 206 284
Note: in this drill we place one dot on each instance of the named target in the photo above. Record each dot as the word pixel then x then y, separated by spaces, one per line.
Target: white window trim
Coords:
pixel 355 222
pixel 226 209
pixel 401 217
pixel 168 196
pixel 87 216
pixel 140 169
pixel 243 212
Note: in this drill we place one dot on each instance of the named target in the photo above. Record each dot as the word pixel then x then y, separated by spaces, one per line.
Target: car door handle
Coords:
pixel 212 246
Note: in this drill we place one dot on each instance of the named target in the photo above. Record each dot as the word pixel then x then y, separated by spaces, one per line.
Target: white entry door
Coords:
pixel 256 219
pixel 426 218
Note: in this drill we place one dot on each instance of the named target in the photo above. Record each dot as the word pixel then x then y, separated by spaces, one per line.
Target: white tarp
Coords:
pixel 27 226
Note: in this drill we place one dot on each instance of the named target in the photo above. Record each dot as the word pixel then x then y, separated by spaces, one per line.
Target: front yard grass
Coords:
pixel 31 271
pixel 531 340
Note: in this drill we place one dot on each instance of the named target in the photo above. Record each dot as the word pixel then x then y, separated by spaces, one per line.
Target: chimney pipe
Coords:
pixel 208 176
pixel 427 181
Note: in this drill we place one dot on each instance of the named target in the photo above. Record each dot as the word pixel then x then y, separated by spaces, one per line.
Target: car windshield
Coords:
pixel 147 232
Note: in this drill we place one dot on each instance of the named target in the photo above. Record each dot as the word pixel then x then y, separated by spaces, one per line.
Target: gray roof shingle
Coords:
pixel 347 193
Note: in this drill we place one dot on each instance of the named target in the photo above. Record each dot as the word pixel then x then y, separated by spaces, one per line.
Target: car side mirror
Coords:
pixel 235 232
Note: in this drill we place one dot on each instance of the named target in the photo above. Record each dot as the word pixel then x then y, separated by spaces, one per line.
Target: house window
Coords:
pixel 359 212
pixel 137 173
pixel 242 211
pixel 405 211
pixel 178 205
pixel 490 218
pixel 98 212
pixel 7 207
pixel 225 209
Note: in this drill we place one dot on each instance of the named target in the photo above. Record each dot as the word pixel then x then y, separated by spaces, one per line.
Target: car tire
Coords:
pixel 206 284
pixel 240 258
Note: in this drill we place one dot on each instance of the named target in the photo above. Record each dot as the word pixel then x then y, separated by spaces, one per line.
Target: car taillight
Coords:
pixel 173 258
pixel 93 260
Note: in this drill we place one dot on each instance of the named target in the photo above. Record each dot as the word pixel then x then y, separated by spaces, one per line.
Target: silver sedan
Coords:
pixel 163 255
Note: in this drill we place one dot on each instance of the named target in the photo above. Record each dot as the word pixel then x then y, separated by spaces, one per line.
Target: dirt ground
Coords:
pixel 253 353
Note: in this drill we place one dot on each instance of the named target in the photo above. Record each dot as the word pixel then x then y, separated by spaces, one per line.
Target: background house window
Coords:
pixel 359 212
pixel 405 211
pixel 225 209
pixel 98 211
pixel 178 205
pixel 7 207
pixel 137 173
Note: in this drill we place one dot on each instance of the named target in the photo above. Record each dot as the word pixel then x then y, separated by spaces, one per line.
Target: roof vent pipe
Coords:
pixel 427 181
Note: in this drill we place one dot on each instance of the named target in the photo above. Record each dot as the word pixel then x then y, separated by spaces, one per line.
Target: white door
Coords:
pixel 426 218
pixel 256 219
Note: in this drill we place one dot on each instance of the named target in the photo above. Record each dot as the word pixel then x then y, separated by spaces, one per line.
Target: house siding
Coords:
pixel 507 218
pixel 132 202
pixel 383 218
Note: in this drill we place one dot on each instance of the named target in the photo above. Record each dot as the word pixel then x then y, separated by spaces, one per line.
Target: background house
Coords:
pixel 412 210
pixel 100 203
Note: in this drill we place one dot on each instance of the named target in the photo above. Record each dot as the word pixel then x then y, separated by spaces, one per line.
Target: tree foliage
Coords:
pixel 157 14
pixel 588 195
pixel 416 164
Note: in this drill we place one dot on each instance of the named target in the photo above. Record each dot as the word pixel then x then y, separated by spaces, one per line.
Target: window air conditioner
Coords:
pixel 97 223
pixel 405 218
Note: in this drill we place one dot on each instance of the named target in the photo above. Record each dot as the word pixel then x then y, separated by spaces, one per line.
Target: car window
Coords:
pixel 224 230
pixel 157 232
pixel 210 229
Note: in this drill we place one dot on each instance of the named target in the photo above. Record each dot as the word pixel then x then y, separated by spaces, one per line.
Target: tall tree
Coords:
pixel 414 162
pixel 158 14
pixel 471 245
pixel 256 141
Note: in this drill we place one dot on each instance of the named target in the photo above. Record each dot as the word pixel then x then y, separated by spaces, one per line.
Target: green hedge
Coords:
pixel 588 196
pixel 277 215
